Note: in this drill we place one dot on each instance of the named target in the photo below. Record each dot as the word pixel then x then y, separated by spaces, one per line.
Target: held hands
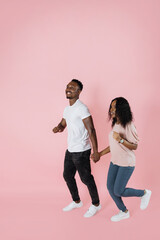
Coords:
pixel 95 156
pixel 116 136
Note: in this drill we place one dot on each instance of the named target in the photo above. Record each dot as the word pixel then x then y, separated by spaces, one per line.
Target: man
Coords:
pixel 80 126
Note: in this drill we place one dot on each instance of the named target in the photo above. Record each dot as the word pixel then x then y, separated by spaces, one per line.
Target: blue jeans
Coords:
pixel 117 180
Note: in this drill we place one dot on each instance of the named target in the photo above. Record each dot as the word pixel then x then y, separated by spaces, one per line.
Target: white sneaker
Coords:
pixel 92 211
pixel 145 199
pixel 72 205
pixel 120 216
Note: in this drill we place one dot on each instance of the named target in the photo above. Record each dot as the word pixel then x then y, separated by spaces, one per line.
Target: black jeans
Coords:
pixel 79 161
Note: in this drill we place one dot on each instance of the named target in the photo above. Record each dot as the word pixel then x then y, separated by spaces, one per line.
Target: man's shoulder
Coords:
pixel 67 107
pixel 83 111
pixel 82 105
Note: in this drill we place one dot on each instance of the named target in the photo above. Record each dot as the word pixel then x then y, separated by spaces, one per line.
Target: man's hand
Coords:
pixel 95 157
pixel 61 126
pixel 57 129
pixel 116 136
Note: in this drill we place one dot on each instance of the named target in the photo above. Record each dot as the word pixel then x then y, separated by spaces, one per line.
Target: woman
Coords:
pixel 123 140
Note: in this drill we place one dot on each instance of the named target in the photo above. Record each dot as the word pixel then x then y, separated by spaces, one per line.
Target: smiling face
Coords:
pixel 72 90
pixel 113 109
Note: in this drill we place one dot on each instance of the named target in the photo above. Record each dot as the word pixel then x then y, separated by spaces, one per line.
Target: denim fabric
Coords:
pixel 79 161
pixel 117 180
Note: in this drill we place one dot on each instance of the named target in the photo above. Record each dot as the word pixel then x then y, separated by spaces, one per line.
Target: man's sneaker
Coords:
pixel 92 211
pixel 72 205
pixel 145 199
pixel 120 216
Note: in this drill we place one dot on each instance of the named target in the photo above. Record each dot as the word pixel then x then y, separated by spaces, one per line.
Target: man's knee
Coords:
pixel 66 176
pixel 86 178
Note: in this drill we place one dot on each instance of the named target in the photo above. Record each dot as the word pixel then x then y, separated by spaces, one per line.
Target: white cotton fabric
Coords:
pixel 78 137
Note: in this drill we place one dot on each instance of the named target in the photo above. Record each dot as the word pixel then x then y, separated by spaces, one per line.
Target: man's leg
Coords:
pixel 68 174
pixel 82 163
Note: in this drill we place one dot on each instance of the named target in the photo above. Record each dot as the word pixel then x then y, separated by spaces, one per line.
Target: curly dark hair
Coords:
pixel 80 85
pixel 123 111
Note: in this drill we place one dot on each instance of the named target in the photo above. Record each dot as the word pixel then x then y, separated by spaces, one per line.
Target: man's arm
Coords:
pixel 61 126
pixel 103 152
pixel 88 123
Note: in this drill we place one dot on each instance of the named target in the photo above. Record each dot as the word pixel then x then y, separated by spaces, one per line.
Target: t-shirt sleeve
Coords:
pixel 131 133
pixel 84 112
pixel 64 114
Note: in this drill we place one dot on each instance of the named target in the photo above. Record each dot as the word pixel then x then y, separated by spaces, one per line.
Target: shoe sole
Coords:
pixel 120 219
pixel 65 210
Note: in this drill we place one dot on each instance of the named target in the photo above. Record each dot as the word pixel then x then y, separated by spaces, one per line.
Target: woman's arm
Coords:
pixel 131 146
pixel 105 151
pixel 118 138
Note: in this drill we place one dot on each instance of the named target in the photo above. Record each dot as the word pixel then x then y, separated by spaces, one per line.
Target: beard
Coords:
pixel 68 97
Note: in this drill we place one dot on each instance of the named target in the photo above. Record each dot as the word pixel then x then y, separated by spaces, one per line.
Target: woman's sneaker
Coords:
pixel 72 206
pixel 145 199
pixel 120 216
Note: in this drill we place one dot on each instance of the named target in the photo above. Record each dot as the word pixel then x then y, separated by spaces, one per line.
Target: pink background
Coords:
pixel 113 48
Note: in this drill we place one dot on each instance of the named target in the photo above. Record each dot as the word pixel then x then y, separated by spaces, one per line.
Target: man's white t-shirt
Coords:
pixel 78 137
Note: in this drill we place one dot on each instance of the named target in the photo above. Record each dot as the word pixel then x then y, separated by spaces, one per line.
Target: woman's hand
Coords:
pixel 116 136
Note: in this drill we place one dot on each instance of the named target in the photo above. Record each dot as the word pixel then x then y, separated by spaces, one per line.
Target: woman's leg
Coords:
pixel 123 176
pixel 111 180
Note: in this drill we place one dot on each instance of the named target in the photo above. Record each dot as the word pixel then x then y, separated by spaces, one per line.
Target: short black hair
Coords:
pixel 123 111
pixel 79 83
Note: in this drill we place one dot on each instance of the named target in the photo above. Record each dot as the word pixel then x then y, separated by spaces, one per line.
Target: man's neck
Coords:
pixel 72 101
